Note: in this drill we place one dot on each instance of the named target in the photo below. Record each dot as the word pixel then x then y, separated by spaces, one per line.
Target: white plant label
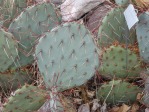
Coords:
pixel 131 16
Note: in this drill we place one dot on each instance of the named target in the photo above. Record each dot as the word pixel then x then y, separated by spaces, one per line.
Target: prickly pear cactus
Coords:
pixel 31 23
pixel 5 10
pixel 8 50
pixel 120 63
pixel 122 2
pixel 12 80
pixel 22 61
pixel 143 36
pixel 118 92
pixel 114 28
pixel 10 9
pixel 26 99
pixel 67 56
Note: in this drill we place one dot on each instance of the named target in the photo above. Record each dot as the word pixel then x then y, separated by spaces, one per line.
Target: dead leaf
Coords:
pixel 84 108
pixel 77 100
pixel 114 109
pixel 124 108
pixel 134 108
pixel 139 96
pixel 90 94
pixel 76 93
pixel 67 104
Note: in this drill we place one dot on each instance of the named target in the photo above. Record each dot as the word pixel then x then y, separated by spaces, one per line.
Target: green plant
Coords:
pixel 11 80
pixel 114 28
pixel 21 61
pixel 122 2
pixel 120 63
pixel 26 99
pixel 67 56
pixel 143 36
pixel 8 49
pixel 31 23
pixel 118 92
pixel 10 9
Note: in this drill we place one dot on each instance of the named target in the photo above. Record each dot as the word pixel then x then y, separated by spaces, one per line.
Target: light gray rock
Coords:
pixel 74 9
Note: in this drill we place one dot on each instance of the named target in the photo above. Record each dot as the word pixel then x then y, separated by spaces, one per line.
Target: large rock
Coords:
pixel 94 18
pixel 74 9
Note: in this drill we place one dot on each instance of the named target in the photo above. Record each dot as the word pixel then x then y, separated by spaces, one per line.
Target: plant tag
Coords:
pixel 131 16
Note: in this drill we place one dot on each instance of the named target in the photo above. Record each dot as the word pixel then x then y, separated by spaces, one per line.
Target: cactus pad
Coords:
pixel 118 92
pixel 31 23
pixel 8 50
pixel 120 63
pixel 122 2
pixel 27 99
pixel 142 31
pixel 12 80
pixel 11 9
pixel 114 28
pixel 67 56
pixel 22 61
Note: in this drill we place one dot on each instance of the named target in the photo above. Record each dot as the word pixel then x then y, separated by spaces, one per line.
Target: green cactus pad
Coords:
pixel 114 28
pixel 31 23
pixel 119 63
pixel 142 31
pixel 10 9
pixel 5 11
pixel 12 80
pixel 122 2
pixel 118 92
pixel 67 56
pixel 26 99
pixel 21 61
pixel 8 50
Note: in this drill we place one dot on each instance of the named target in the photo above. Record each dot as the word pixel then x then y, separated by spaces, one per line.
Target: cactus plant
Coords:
pixel 11 9
pixel 11 57
pixel 122 2
pixel 114 28
pixel 67 56
pixel 118 92
pixel 5 10
pixel 143 36
pixel 31 23
pixel 12 80
pixel 21 61
pixel 26 99
pixel 8 49
pixel 31 98
pixel 120 63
